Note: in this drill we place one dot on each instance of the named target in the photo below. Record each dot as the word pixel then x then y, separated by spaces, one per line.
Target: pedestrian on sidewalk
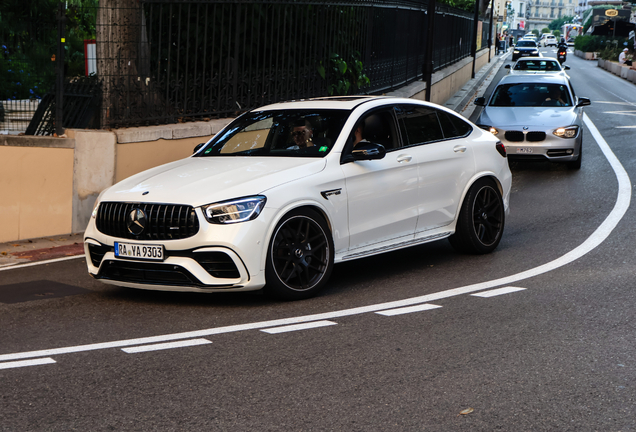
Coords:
pixel 621 56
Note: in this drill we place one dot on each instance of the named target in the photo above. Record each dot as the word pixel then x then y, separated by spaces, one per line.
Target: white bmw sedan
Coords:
pixel 286 191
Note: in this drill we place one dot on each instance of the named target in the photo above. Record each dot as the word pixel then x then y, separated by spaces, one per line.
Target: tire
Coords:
pixel 481 219
pixel 299 257
pixel 576 164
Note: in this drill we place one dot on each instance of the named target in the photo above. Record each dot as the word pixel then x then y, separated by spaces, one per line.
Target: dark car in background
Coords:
pixel 525 48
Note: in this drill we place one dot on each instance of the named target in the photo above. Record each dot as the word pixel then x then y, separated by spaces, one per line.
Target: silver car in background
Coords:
pixel 536 117
pixel 538 65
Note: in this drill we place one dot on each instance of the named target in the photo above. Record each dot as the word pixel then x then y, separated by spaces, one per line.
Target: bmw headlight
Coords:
pixel 515 52
pixel 234 211
pixel 493 130
pixel 535 52
pixel 567 132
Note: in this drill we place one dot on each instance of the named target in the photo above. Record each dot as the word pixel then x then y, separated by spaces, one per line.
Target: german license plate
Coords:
pixel 524 149
pixel 139 251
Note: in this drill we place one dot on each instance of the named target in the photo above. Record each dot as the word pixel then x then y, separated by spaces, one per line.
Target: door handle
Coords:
pixel 404 158
pixel 459 149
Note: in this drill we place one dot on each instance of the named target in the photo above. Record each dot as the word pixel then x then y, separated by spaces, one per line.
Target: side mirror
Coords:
pixel 507 66
pixel 566 67
pixel 583 102
pixel 368 151
pixel 197 148
pixel 480 101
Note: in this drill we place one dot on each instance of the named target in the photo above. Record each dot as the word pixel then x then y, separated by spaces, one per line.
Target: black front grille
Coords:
pixel 217 264
pixel 535 136
pixel 514 136
pixel 97 253
pixel 163 221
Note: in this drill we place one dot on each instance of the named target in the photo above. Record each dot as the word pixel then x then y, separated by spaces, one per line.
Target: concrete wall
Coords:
pixel 36 187
pixel 626 72
pixel 49 185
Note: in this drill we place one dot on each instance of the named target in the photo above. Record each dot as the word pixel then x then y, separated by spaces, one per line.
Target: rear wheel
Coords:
pixel 299 257
pixel 481 219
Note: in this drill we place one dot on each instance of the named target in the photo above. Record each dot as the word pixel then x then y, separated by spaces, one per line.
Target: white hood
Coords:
pixel 203 180
pixel 540 117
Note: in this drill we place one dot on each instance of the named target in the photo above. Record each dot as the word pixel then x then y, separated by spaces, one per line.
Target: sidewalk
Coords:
pixel 48 248
pixel 40 249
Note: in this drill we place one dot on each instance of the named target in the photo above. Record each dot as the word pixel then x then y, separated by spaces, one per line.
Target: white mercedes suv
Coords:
pixel 286 191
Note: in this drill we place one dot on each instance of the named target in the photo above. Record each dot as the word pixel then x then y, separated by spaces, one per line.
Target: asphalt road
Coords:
pixel 556 354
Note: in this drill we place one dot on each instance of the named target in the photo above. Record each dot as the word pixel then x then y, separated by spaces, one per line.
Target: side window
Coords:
pixel 420 123
pixel 453 126
pixel 379 127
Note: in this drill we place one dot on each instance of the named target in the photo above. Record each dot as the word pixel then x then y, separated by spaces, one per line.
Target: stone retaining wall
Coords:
pixel 623 71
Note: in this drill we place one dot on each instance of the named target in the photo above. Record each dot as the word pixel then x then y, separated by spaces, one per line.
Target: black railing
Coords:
pixel 172 61
pixel 168 61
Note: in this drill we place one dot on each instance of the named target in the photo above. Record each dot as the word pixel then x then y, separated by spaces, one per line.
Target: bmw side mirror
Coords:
pixel 197 148
pixel 368 151
pixel 566 67
pixel 507 66
pixel 480 101
pixel 583 102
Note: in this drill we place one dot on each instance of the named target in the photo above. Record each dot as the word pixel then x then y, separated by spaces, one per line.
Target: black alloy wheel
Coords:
pixel 481 219
pixel 299 257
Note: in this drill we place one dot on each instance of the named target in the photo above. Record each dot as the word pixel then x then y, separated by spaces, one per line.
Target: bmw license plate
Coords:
pixel 524 149
pixel 139 251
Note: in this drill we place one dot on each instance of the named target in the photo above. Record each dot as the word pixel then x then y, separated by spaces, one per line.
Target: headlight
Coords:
pixel 535 52
pixel 493 130
pixel 567 132
pixel 515 52
pixel 234 211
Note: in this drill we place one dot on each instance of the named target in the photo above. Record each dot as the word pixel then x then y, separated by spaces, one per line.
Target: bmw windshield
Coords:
pixel 290 133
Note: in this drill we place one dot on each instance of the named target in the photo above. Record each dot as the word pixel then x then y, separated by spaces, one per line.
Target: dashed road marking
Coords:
pixel 23 363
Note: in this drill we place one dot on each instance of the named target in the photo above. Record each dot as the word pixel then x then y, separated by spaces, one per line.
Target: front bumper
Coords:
pixel 217 258
pixel 528 145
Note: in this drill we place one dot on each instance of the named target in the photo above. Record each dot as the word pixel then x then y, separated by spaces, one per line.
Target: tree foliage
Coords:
pixel 558 23
pixel 28 31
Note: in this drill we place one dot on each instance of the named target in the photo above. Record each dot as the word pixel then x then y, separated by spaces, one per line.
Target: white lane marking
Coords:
pixel 625 127
pixel 410 309
pixel 164 346
pixel 24 363
pixel 613 103
pixel 498 291
pixel 594 240
pixel 627 113
pixel 296 327
pixel 16 266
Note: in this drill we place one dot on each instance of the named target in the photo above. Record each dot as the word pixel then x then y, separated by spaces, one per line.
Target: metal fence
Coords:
pixel 169 61
pixel 174 61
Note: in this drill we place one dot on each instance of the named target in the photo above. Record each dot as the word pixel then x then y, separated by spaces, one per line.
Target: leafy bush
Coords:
pixel 609 47
pixel 344 78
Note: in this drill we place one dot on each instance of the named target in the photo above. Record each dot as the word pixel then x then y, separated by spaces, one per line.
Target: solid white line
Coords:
pixel 164 346
pixel 290 328
pixel 594 240
pixel 16 266
pixel 498 291
pixel 23 363
pixel 625 127
pixel 410 309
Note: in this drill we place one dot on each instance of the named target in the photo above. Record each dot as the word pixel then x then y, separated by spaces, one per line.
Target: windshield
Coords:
pixel 538 65
pixel 291 133
pixel 526 44
pixel 531 95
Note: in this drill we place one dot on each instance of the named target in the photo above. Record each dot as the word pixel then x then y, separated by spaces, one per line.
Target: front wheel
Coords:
pixel 299 257
pixel 481 219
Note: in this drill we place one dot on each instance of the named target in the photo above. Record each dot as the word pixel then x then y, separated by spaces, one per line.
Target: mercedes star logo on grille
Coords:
pixel 136 221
